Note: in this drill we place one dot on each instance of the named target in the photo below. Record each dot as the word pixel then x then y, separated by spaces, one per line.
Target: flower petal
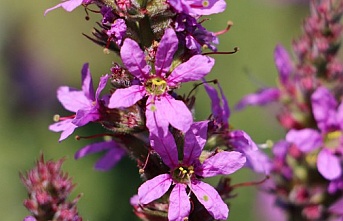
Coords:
pixel 110 159
pixel 95 148
pixel 195 139
pixel 262 97
pixel 84 116
pixel 211 200
pixel 134 59
pixel 337 207
pixel 165 52
pixel 166 148
pixel 194 69
pixel 66 126
pixel 324 109
pixel 68 5
pixel 101 86
pixel 87 82
pixel 171 108
pixel 154 188
pixel 305 139
pixel 72 99
pixel 223 163
pixel 241 141
pixel 155 120
pixel 126 97
pixel 283 63
pixel 220 107
pixel 179 205
pixel 258 161
pixel 328 165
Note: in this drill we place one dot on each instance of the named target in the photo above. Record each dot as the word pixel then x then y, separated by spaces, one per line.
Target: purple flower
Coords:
pixel 193 35
pixel 185 174
pixel 110 159
pixel 161 107
pixel 198 7
pixel 117 31
pixel 329 117
pixel 68 5
pixel 84 103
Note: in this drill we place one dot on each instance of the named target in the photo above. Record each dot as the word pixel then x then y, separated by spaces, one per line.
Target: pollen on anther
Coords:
pixel 56 118
pixel 205 3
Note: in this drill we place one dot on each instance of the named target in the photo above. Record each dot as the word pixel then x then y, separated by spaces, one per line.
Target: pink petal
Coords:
pixel 154 188
pixel 179 205
pixel 223 163
pixel 102 85
pixel 126 97
pixel 67 5
pixel 134 59
pixel 305 139
pixel 172 108
pixel 66 126
pixel 165 52
pixel 155 120
pixel 95 148
pixel 194 69
pixel 328 165
pixel 110 159
pixel 166 148
pixel 211 200
pixel 72 99
pixel 195 139
pixel 87 82
pixel 324 107
pixel 337 207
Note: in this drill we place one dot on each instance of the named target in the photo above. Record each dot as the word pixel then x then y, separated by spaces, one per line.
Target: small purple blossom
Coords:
pixel 29 218
pixel 161 107
pixel 283 63
pixel 114 153
pixel 193 35
pixel 85 103
pixel 329 118
pixel 117 31
pixel 185 175
pixel 198 7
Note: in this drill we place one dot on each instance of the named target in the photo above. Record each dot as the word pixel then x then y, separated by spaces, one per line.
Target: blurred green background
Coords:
pixel 39 53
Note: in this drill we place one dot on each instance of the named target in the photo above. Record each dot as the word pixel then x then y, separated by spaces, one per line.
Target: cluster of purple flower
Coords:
pixel 160 44
pixel 307 164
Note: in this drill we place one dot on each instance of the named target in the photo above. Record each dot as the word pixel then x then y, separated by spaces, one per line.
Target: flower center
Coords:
pixel 183 174
pixel 332 139
pixel 156 86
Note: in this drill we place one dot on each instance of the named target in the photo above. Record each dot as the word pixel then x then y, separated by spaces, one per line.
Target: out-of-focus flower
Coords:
pixel 329 117
pixel 156 83
pixel 48 189
pixel 185 175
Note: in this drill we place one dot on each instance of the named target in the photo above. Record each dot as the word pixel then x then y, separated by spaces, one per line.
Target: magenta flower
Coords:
pixel 117 31
pixel 184 176
pixel 161 107
pixel 84 103
pixel 68 5
pixel 198 7
pixel 110 159
pixel 329 117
